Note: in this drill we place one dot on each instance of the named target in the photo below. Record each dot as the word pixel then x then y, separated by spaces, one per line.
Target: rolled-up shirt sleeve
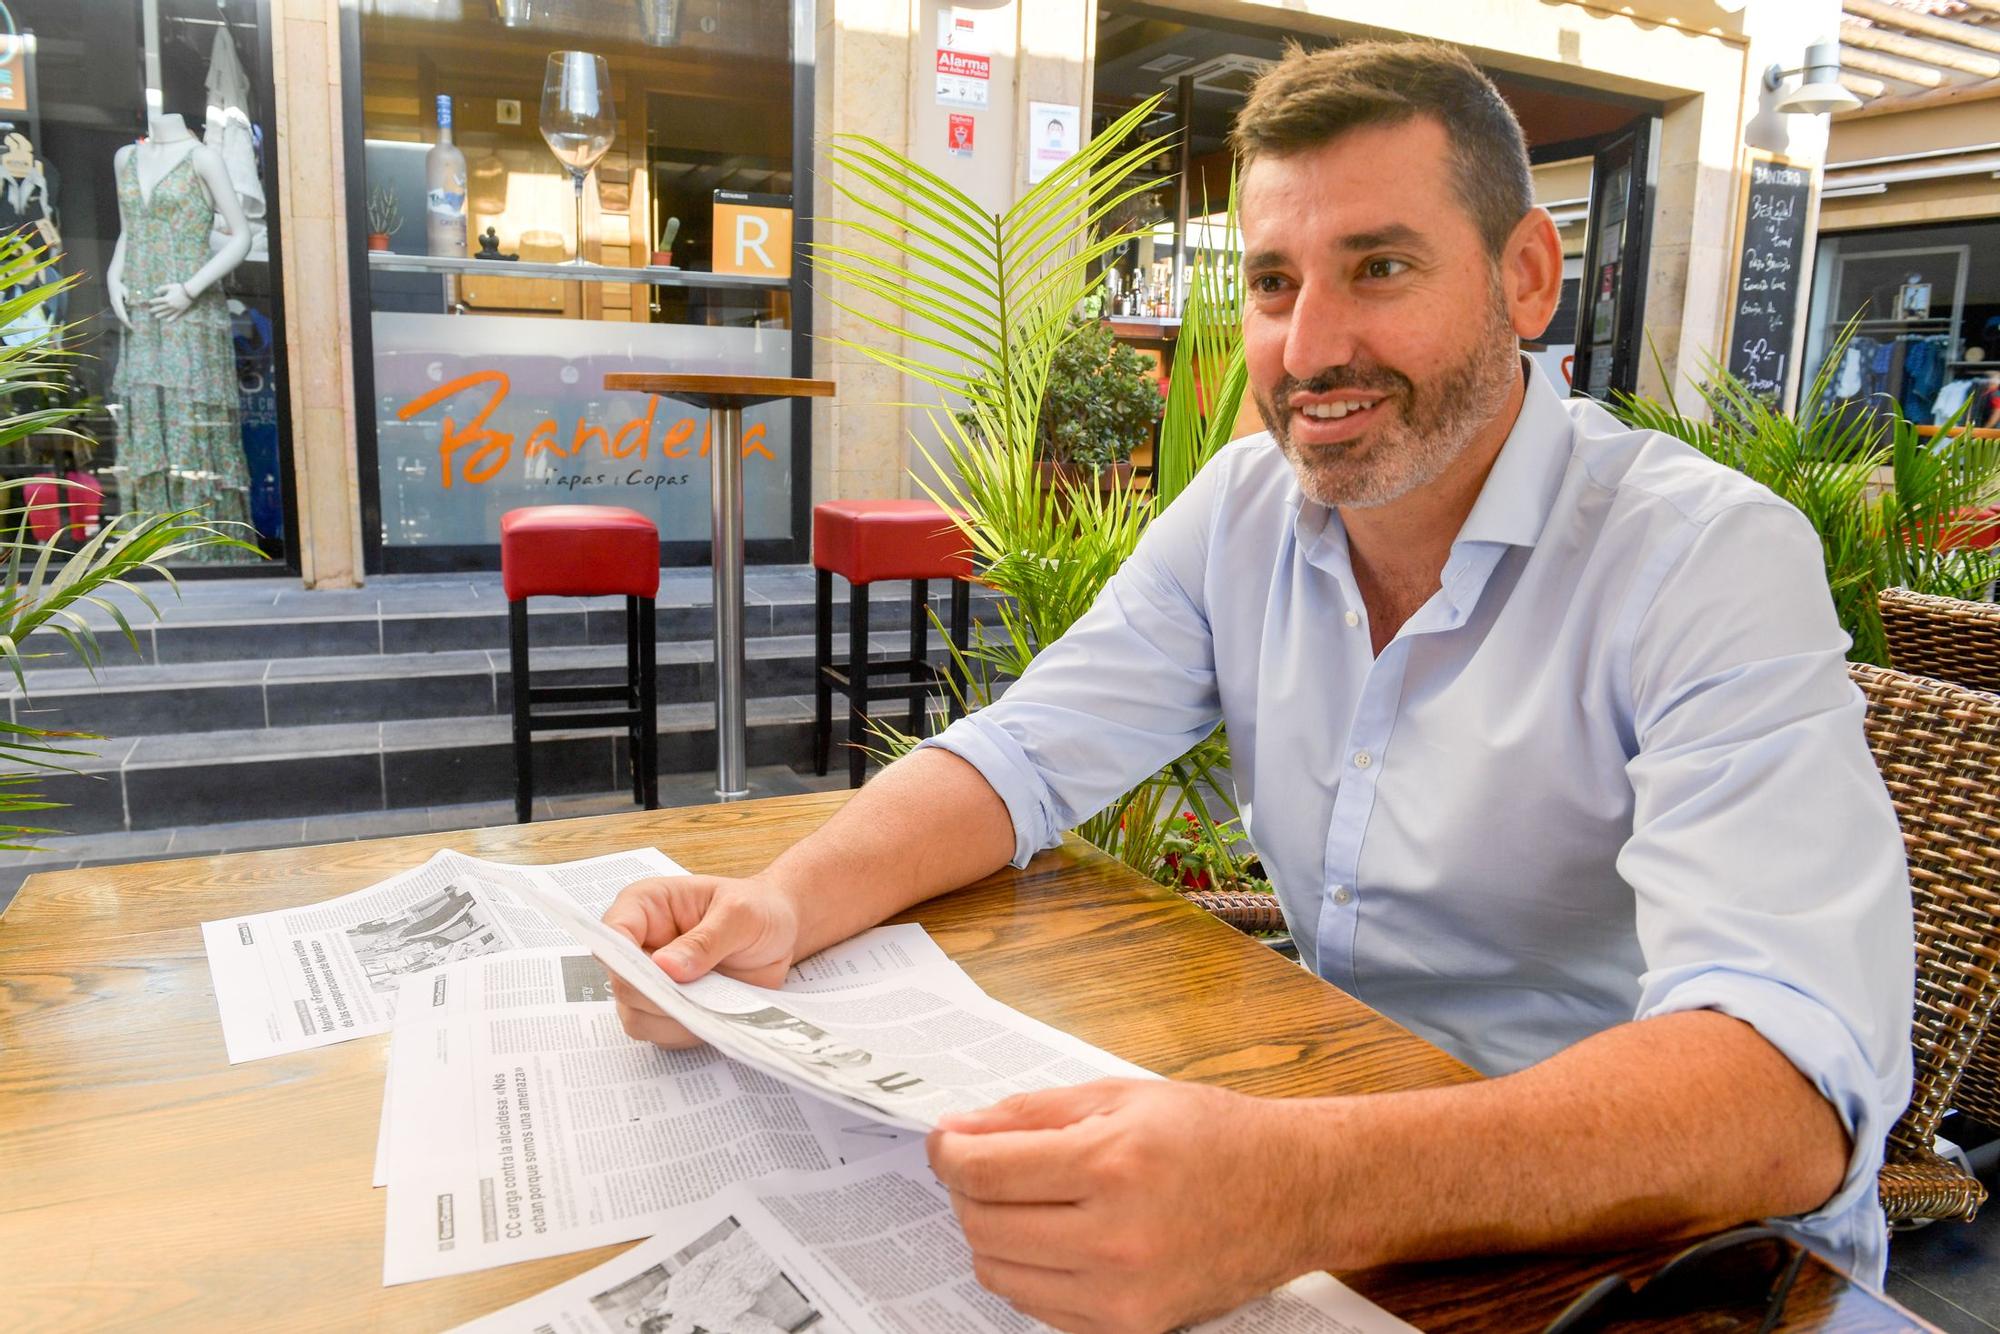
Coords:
pixel 1765 856
pixel 1129 688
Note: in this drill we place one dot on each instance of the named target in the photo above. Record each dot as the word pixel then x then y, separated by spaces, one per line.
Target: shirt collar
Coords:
pixel 1520 491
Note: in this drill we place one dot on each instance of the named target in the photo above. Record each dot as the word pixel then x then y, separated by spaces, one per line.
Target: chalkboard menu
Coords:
pixel 1769 274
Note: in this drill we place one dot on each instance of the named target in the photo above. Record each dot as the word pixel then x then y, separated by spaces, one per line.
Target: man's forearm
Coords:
pixel 926 824
pixel 1674 1126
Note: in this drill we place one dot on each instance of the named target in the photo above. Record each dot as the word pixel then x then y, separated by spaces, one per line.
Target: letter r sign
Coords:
pixel 753 234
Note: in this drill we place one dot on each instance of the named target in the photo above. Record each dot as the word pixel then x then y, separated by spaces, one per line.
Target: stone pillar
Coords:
pixel 318 338
pixel 861 86
pixel 876 72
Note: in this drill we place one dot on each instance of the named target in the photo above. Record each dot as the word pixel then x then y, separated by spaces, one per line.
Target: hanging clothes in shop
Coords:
pixel 257 403
pixel 1908 368
pixel 230 133
pixel 177 378
pixel 1950 399
pixel 1923 375
pixel 28 210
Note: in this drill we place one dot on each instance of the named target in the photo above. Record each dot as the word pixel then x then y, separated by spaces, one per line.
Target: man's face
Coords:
pixel 1378 335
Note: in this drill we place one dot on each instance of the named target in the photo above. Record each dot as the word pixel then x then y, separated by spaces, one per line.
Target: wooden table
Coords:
pixel 149 1184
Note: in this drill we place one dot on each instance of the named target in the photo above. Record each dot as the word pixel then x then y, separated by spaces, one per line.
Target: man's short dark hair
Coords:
pixel 1311 97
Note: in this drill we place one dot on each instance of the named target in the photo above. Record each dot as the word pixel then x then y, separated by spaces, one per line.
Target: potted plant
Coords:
pixel 996 293
pixel 1101 402
pixel 1827 459
pixel 385 217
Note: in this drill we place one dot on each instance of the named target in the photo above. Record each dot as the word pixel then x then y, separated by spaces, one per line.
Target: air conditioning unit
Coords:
pixel 1232 74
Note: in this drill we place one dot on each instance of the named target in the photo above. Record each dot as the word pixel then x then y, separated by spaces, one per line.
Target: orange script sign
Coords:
pixel 474 452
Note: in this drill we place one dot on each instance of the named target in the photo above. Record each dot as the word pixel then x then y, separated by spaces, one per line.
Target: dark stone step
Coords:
pixel 201 778
pixel 294 692
pixel 427 619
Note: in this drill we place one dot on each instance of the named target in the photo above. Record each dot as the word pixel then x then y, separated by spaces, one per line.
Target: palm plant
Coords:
pixel 1829 460
pixel 983 303
pixel 47 590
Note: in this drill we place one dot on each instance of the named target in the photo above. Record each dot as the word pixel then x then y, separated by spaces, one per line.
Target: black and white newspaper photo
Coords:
pixel 872 1246
pixel 305 977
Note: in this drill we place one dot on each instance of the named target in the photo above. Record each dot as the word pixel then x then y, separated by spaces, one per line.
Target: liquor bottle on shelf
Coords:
pixel 444 184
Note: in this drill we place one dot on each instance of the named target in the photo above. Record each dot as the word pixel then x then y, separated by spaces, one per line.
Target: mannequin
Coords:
pixel 176 373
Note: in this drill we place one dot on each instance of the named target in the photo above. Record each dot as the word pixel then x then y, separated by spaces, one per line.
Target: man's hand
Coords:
pixel 694 924
pixel 1124 1205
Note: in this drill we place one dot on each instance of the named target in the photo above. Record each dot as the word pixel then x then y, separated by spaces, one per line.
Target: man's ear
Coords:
pixel 1531 272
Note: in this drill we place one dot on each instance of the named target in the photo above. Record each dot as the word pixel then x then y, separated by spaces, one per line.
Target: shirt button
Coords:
pixel 1363 759
pixel 1343 896
pixel 1354 618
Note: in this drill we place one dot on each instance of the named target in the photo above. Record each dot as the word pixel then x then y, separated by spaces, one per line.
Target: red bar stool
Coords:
pixel 866 541
pixel 582 551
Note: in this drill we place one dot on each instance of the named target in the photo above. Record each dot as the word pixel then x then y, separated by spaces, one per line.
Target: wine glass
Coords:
pixel 578 121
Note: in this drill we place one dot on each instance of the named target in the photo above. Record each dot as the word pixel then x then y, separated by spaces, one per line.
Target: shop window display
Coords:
pixel 541 195
pixel 1924 303
pixel 135 150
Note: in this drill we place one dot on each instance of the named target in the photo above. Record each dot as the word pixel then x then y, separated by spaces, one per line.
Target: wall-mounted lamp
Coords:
pixel 1821 91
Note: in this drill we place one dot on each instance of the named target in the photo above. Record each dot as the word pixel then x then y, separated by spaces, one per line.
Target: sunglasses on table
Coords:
pixel 1748 1269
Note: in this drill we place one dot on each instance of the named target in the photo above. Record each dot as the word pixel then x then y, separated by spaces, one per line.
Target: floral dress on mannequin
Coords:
pixel 183 448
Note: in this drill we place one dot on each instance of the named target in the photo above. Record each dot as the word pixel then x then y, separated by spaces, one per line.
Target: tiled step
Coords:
pixel 400 619
pixel 202 778
pixel 244 694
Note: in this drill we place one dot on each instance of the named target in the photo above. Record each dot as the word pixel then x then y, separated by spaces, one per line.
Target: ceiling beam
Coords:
pixel 1945 30
pixel 1861 85
pixel 1952 94
pixel 1916 48
pixel 1871 62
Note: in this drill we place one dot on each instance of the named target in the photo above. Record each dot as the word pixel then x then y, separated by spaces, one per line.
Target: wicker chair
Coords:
pixel 1944 638
pixel 1246 910
pixel 1938 747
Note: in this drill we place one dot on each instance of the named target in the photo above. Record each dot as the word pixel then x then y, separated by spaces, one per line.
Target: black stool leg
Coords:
pixel 524 765
pixel 633 747
pixel 961 635
pixel 857 682
pixel 649 708
pixel 920 645
pixel 822 660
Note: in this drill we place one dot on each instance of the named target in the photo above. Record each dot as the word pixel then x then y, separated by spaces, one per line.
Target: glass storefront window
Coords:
pixel 492 322
pixel 1925 306
pixel 135 145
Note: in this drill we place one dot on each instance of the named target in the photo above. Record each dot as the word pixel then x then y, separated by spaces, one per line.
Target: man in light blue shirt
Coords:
pixel 1541 727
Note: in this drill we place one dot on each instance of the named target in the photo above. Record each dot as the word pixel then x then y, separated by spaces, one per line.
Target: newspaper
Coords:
pixel 871 1246
pixel 305 977
pixel 567 975
pixel 897 1050
pixel 520 1121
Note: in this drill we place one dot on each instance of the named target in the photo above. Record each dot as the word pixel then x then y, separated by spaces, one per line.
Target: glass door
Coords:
pixel 1614 265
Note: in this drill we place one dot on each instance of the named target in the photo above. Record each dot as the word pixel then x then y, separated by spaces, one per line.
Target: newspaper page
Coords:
pixel 871 1246
pixel 521 1121
pixel 899 1051
pixel 305 977
pixel 567 975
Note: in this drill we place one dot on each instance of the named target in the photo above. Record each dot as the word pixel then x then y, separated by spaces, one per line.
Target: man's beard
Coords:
pixel 1434 422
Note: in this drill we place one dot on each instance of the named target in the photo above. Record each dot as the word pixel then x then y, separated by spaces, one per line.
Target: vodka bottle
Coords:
pixel 444 183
